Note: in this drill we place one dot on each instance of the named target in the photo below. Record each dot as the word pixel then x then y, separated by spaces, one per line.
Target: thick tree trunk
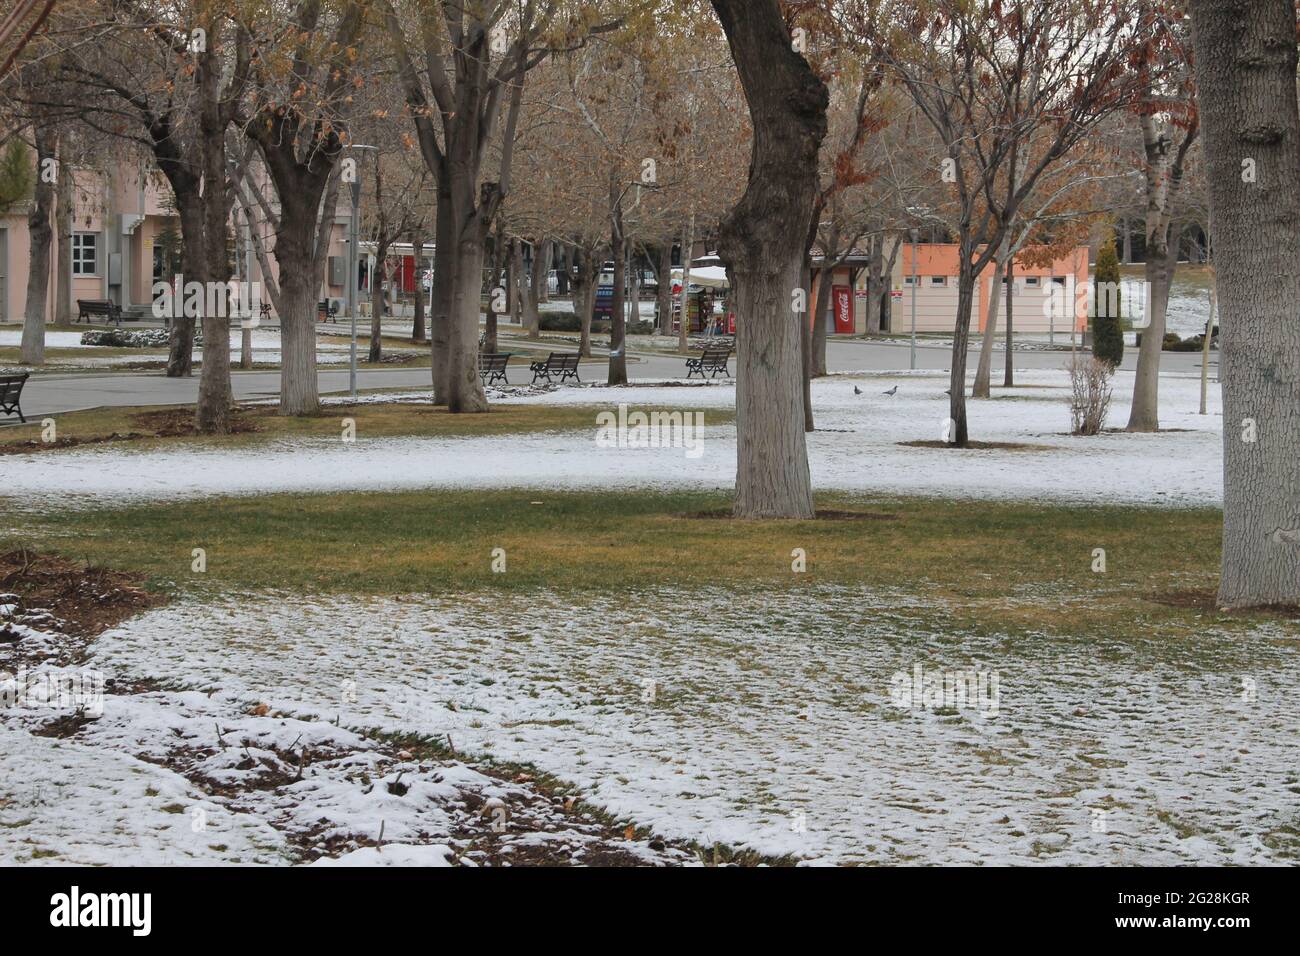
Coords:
pixel 806 348
pixel 684 324
pixel 40 227
pixel 180 340
pixel 299 287
pixel 1246 73
pixel 464 386
pixel 875 284
pixel 1144 415
pixel 984 373
pixel 764 243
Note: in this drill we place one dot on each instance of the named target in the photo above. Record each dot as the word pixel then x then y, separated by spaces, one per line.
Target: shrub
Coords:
pixel 560 322
pixel 129 338
pixel 1089 394
pixel 1107 328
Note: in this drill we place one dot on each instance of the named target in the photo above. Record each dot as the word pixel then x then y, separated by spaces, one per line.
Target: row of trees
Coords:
pixel 594 128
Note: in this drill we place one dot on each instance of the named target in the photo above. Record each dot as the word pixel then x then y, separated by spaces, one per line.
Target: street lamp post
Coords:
pixel 914 238
pixel 352 263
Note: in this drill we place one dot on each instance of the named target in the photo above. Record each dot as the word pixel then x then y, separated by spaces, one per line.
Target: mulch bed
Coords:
pixel 165 423
pixel 87 599
pixel 822 514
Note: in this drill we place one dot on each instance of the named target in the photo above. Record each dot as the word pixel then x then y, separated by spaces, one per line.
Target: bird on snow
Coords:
pixel 891 391
pixel 856 390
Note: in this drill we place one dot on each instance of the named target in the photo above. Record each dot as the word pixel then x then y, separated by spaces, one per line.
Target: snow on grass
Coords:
pixel 770 724
pixel 202 777
pixel 856 448
pixel 64 803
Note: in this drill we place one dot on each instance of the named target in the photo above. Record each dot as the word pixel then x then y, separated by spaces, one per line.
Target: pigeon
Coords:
pixel 856 390
pixel 891 391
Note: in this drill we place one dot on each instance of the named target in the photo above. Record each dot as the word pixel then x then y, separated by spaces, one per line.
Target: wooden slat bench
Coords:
pixel 109 310
pixel 492 367
pixel 11 390
pixel 564 364
pixel 325 309
pixel 712 359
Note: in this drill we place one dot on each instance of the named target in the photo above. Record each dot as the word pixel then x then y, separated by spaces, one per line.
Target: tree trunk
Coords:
pixel 806 348
pixel 1246 73
pixel 378 303
pixel 984 372
pixel 1008 376
pixel 684 325
pixel 764 243
pixel 464 386
pixel 875 284
pixel 823 317
pixel 618 300
pixel 1144 416
pixel 40 227
pixel 444 264
pixel 664 291
pixel 299 287
pixel 417 324
pixel 63 314
pixel 966 279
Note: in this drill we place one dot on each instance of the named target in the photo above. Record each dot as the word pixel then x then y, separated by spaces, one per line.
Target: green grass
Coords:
pixel 1023 566
pixel 387 420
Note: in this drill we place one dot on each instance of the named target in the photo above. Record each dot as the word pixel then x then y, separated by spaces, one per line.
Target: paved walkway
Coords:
pixel 49 394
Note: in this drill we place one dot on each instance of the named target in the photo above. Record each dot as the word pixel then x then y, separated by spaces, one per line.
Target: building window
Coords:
pixel 1059 280
pixel 909 280
pixel 84 259
pixel 1031 281
pixel 938 280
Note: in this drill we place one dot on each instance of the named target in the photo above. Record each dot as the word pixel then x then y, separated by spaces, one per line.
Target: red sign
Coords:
pixel 842 295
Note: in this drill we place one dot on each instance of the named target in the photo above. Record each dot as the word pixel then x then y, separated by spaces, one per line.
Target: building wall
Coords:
pixel 936 304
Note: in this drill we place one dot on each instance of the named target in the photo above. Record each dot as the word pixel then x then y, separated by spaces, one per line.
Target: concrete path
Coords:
pixel 48 394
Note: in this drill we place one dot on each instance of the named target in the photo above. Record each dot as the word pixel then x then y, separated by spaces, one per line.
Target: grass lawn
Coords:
pixel 373 421
pixel 1024 567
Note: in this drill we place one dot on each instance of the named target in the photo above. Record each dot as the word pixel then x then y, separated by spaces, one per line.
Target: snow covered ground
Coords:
pixel 266 348
pixel 164 777
pixel 778 728
pixel 856 448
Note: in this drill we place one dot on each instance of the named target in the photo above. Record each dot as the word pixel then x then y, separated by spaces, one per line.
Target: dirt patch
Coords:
pixel 979 445
pixel 167 423
pixel 87 599
pixel 827 514
pixel 179 423
pixel 1206 601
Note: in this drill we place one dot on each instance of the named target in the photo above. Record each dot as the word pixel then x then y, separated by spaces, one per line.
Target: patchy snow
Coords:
pixel 67 804
pixel 856 448
pixel 201 777
pixel 774 728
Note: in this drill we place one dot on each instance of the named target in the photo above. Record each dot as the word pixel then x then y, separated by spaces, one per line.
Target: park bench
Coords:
pixel 564 364
pixel 11 389
pixel 712 359
pixel 109 310
pixel 492 367
pixel 325 309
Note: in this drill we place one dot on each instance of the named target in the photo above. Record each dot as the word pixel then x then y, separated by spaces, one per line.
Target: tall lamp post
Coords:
pixel 915 233
pixel 351 282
